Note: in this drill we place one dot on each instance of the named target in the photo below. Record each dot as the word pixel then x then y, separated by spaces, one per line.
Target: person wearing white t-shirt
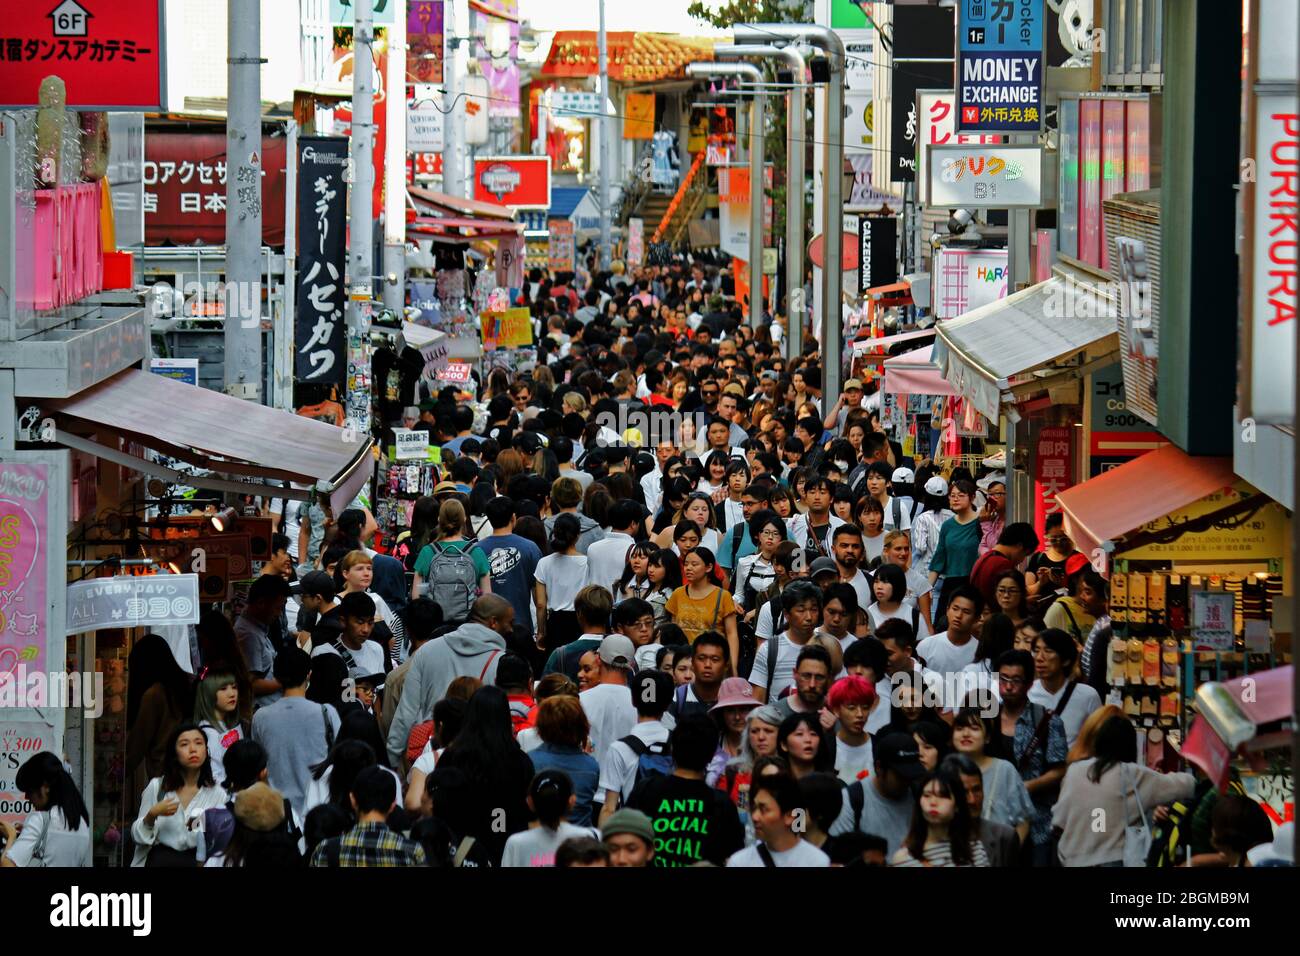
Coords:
pixel 774 663
pixel 363 656
pixel 897 516
pixel 839 617
pixel 608 704
pixel 890 589
pixel 898 550
pixel 948 652
pixel 607 558
pixel 652 691
pixel 852 700
pixel 57 831
pixel 1054 655
pixel 551 798
pixel 774 802
pixel 849 549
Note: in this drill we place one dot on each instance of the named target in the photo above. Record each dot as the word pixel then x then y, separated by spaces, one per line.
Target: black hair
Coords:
pixel 652 692
pixel 896 578
pixel 846 594
pixel 694 742
pixel 816 482
pixel 46 769
pixel 329 676
pixel 936 733
pixel 500 511
pixel 325 822
pixel 1063 644
pixel 173 775
pixel 1014 658
pixel 867 652
pixel 279 542
pixel 714 639
pixel 243 763
pixel 1239 823
pixel 1019 534
pixel 375 790
pixel 550 791
pixel 666 559
pixel 824 759
pixel 970 593
pixel 625 512
pixel 761 519
pixel 151 662
pixel 898 630
pixel 267 587
pixel 959 830
pixel 346 759
pixel 785 792
pixel 513 673
pixel 797 592
pixel 565 532
pixel 420 618
pixel 821 794
pixel 584 851
pixel 812 652
pixel 1115 743
pixel 879 468
pixel 630 611
pixel 291 667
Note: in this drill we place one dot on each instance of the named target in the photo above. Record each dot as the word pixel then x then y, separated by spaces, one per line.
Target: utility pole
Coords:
pixel 605 211
pixel 395 163
pixel 243 306
pixel 453 169
pixel 361 265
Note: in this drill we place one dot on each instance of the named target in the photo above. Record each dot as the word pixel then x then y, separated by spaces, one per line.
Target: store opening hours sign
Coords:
pixel 110 54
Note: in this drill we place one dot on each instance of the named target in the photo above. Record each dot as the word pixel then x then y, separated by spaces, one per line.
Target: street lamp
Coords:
pixel 832 139
pixel 794 183
pixel 757 119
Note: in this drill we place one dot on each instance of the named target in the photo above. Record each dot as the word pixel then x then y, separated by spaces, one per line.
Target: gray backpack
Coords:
pixel 453 581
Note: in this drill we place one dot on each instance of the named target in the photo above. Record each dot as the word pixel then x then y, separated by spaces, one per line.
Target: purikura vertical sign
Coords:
pixel 1053 472
pixel 24 550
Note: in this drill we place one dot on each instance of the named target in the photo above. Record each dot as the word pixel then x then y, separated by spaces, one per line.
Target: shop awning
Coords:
pixel 984 350
pixel 886 342
pixel 633 57
pixel 442 204
pixel 914 373
pixel 1122 500
pixel 217 432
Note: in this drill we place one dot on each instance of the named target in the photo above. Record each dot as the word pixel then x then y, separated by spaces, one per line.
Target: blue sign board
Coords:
pixel 1000 66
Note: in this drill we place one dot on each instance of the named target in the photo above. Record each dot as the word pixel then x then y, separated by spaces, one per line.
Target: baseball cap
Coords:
pixel 619 322
pixel 653 358
pixel 629 821
pixel 996 478
pixel 903 475
pixel 937 485
pixel 770 375
pixel 899 752
pixel 853 383
pixel 822 565
pixel 315 583
pixel 1075 563
pixel 617 650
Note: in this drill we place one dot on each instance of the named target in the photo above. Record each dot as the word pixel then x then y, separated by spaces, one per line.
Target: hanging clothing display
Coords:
pixel 665 167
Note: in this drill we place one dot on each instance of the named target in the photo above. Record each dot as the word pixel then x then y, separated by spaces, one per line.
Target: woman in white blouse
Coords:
pixel 57 831
pixel 168 829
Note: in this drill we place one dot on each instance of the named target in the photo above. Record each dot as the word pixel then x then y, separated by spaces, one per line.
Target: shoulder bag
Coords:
pixel 1137 839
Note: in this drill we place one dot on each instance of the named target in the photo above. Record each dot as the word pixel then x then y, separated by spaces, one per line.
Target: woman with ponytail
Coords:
pixel 551 798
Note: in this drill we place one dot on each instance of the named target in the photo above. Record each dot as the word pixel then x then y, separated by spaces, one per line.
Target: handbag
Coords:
pixel 1137 839
pixel 38 853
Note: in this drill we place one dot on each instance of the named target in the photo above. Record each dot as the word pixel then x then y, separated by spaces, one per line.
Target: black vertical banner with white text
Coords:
pixel 320 334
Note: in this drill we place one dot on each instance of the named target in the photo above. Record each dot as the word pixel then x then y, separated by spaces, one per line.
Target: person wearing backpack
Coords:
pixel 472 650
pixel 881 805
pixel 451 569
pixel 645 752
pixel 692 821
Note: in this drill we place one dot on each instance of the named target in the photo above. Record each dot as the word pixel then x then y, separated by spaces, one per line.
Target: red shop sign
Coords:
pixel 1053 472
pixel 521 182
pixel 110 54
pixel 185 188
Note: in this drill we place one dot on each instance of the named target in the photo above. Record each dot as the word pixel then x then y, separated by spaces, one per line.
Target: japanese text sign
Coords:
pixel 1001 177
pixel 24 532
pixel 937 119
pixel 560 249
pixel 185 177
pixel 425 41
pixel 110 54
pixel 1000 66
pixel 410 443
pixel 1212 620
pixel 319 334
pixel 1053 472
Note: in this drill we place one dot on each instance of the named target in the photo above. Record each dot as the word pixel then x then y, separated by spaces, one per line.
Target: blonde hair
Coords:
pixel 575 401
pixel 1085 743
pixel 451 519
pixel 892 536
pixel 352 559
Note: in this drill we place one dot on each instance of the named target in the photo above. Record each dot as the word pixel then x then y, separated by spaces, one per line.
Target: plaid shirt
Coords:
pixel 369 844
pixel 1050 753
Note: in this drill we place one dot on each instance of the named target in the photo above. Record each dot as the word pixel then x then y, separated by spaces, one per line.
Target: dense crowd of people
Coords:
pixel 663 608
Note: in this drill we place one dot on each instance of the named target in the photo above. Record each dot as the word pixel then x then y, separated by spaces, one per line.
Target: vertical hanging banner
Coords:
pixel 1000 66
pixel 560 252
pixel 319 334
pixel 878 236
pixel 424 40
pixel 496 48
pixel 639 116
pixel 923 60
pixel 343 66
pixel 1053 472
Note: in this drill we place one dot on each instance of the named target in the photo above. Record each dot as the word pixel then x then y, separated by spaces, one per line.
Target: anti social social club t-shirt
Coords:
pixel 692 821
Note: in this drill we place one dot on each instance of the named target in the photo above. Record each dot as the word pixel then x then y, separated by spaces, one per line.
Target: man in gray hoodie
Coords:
pixel 473 650
pixel 566 496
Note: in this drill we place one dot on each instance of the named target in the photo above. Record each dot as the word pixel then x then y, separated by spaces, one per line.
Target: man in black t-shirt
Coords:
pixel 693 822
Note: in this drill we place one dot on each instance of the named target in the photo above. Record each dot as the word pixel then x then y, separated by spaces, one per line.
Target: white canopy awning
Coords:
pixel 1059 320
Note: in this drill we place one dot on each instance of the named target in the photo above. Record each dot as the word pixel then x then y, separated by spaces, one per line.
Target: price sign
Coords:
pixel 411 443
pixel 1212 624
